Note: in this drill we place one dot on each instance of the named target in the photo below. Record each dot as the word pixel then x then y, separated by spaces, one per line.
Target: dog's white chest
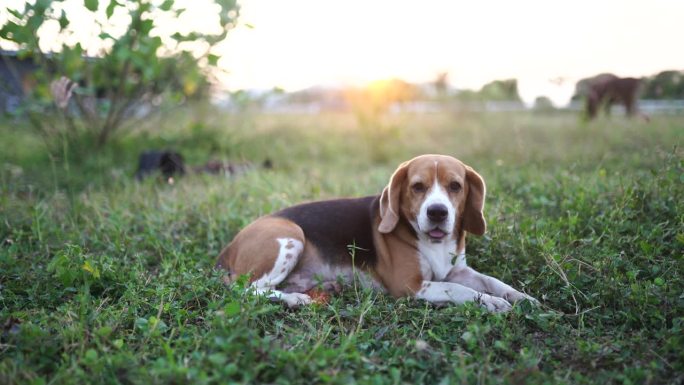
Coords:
pixel 437 259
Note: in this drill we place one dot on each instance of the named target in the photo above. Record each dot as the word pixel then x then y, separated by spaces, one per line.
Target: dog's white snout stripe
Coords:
pixel 436 196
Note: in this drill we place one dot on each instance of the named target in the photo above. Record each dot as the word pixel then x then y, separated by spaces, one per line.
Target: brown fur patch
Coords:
pixel 318 296
pixel 398 266
pixel 255 248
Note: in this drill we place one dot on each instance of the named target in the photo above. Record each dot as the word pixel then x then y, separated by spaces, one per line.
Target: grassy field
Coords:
pixel 107 280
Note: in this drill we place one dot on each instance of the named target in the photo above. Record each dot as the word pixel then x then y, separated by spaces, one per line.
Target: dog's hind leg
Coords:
pixel 288 255
pixel 267 250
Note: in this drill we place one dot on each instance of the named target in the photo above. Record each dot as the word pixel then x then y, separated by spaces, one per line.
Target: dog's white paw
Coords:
pixel 296 299
pixel 533 300
pixel 516 296
pixel 494 304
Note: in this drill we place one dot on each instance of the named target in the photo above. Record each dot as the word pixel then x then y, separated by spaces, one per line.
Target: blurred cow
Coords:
pixel 607 89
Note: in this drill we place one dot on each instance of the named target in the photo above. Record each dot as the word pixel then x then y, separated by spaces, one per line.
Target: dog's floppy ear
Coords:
pixel 389 200
pixel 473 219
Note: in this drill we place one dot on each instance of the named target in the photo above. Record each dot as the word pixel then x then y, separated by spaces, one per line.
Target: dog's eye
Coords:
pixel 454 187
pixel 418 187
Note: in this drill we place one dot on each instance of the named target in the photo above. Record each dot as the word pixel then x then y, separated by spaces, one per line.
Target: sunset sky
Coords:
pixel 296 44
pixel 299 43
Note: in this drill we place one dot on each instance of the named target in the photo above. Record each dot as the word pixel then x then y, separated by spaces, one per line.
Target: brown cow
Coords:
pixel 607 89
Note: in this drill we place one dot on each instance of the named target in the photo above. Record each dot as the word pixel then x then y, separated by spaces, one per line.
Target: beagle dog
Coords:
pixel 408 241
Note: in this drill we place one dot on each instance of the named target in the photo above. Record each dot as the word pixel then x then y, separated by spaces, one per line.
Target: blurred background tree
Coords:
pixel 501 90
pixel 497 90
pixel 141 58
pixel 543 104
pixel 664 85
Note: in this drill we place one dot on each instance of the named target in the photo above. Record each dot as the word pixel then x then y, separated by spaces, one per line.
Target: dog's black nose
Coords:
pixel 437 212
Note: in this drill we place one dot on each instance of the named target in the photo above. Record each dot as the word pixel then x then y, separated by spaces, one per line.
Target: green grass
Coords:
pixel 105 280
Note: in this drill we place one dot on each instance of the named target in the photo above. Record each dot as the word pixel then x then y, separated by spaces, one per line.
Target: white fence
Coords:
pixel 281 105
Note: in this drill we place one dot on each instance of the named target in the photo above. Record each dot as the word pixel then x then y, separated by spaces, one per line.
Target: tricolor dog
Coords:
pixel 408 241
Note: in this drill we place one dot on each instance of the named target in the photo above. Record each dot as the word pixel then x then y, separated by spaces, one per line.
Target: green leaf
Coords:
pixel 122 54
pixel 91 355
pixel 146 27
pixel 213 59
pixel 104 331
pixel 105 36
pixel 166 5
pixel 680 238
pixel 94 271
pixel 110 8
pixel 10 31
pixel 142 324
pixel 63 21
pixel 16 13
pixel 91 5
pixel 41 6
pixel 218 359
pixel 232 309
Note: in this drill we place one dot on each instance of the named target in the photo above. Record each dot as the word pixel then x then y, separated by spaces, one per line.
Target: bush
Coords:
pixel 130 69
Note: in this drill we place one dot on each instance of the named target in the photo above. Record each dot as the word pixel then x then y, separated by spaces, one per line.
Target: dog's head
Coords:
pixel 437 194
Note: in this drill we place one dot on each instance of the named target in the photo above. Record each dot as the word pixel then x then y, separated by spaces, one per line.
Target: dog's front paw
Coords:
pixel 516 296
pixel 494 304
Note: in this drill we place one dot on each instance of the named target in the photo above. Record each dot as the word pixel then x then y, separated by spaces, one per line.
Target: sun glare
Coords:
pixel 547 46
